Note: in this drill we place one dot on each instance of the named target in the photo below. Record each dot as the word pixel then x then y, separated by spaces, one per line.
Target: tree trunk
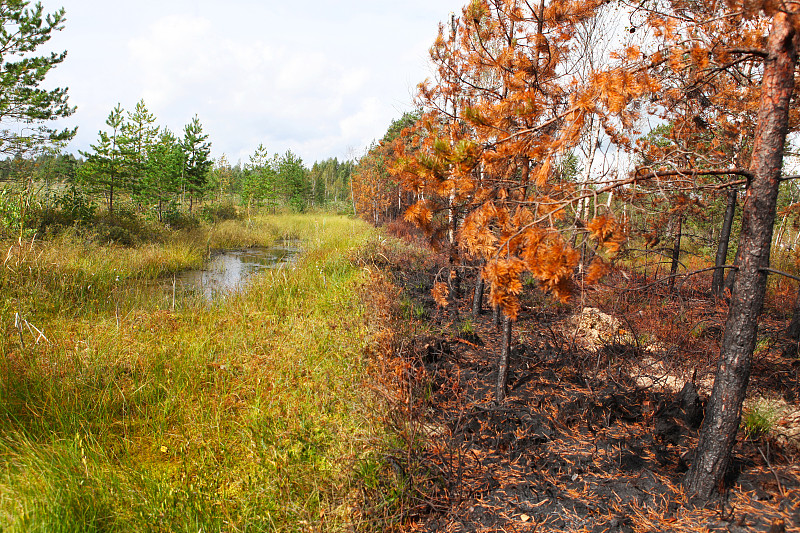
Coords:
pixel 496 316
pixel 676 253
pixel 477 299
pixel 502 361
pixel 722 248
pixel 455 281
pixel 731 277
pixel 792 333
pixel 723 413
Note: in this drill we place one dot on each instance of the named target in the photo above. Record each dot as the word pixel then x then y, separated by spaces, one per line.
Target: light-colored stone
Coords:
pixel 592 329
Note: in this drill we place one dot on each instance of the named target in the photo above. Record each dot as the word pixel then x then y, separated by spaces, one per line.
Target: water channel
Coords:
pixel 228 270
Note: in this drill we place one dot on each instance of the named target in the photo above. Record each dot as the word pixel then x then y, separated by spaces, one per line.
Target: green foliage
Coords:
pixel 104 170
pixel 197 164
pixel 22 99
pixel 411 310
pixel 213 214
pixel 260 182
pixel 759 420
pixel 569 167
pixel 161 181
pixel 330 181
pixel 75 206
pixel 397 126
pixel 466 327
pixel 293 176
pixel 138 159
pixel 17 209
pixel 384 489
pixel 173 217
pixel 107 232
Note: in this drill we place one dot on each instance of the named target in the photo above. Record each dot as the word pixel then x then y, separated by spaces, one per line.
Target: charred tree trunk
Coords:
pixel 731 277
pixel 723 413
pixel 455 282
pixel 502 361
pixel 792 333
pixel 676 253
pixel 722 247
pixel 477 299
pixel 496 316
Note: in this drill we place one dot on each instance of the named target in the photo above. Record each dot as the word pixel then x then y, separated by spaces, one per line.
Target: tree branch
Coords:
pixel 695 172
pixel 779 272
pixel 749 51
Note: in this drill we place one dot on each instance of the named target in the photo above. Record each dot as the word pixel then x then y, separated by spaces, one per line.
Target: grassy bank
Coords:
pixel 120 412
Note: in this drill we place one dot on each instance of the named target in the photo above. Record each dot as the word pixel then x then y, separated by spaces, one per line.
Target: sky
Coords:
pixel 322 78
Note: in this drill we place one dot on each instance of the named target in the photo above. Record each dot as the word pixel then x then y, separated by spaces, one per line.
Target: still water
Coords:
pixel 228 270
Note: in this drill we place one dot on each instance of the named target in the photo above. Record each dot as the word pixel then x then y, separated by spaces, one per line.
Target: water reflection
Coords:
pixel 228 270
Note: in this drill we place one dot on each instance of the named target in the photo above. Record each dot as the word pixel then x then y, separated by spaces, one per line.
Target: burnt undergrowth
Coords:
pixel 595 435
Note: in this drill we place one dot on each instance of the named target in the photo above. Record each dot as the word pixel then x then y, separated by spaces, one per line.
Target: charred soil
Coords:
pixel 582 442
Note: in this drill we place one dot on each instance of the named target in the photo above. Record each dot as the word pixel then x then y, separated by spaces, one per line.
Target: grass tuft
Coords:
pixel 759 420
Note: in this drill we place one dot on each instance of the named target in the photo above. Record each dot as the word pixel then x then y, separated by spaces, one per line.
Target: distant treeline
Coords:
pixel 149 170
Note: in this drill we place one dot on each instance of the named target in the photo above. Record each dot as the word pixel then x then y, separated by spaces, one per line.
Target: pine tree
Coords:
pixel 22 31
pixel 140 133
pixel 292 178
pixel 197 164
pixel 163 168
pixel 260 183
pixel 103 171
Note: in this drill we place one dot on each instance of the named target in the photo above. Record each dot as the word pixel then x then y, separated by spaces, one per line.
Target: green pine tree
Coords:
pixel 197 163
pixel 22 30
pixel 103 172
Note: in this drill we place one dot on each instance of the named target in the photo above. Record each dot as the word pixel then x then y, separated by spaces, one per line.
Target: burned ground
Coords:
pixel 579 444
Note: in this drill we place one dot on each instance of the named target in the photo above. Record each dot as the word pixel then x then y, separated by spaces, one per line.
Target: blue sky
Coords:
pixel 321 78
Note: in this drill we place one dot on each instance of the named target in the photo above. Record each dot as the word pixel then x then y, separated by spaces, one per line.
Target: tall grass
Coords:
pixel 244 415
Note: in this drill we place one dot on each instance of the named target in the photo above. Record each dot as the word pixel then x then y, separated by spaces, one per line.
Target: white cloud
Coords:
pixel 370 115
pixel 318 78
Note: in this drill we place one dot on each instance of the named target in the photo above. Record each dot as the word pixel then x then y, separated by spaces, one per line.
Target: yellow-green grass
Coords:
pixel 244 415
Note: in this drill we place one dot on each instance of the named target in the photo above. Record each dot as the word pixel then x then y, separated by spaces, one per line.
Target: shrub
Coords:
pixel 177 219
pixel 216 213
pixel 75 206
pixel 17 209
pixel 106 233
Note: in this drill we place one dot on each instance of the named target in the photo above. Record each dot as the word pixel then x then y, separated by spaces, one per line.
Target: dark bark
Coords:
pixel 496 316
pixel 455 281
pixel 477 299
pixel 792 333
pixel 722 247
pixel 723 413
pixel 731 277
pixel 454 261
pixel 502 361
pixel 676 253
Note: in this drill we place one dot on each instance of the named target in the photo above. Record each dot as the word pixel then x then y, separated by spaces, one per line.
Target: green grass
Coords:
pixel 759 419
pixel 249 414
